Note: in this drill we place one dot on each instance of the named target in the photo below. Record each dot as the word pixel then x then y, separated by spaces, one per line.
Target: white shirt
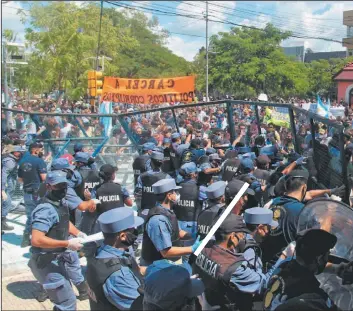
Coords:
pixel 65 130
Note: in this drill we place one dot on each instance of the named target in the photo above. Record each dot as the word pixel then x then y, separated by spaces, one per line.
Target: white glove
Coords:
pixel 290 249
pixel 75 244
pixel 82 235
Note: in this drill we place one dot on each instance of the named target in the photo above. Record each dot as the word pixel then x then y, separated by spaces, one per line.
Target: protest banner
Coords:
pixel 149 91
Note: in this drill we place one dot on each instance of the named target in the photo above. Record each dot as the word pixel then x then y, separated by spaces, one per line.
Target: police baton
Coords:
pixel 218 223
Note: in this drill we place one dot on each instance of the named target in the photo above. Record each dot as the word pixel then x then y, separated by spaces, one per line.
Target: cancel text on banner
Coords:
pixel 149 91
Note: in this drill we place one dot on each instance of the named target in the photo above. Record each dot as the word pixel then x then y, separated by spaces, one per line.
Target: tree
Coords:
pixel 250 61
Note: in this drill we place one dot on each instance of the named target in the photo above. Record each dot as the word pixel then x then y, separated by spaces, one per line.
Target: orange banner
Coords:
pixel 148 91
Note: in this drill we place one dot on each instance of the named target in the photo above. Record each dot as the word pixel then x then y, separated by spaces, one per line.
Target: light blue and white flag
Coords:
pixel 322 109
pixel 106 107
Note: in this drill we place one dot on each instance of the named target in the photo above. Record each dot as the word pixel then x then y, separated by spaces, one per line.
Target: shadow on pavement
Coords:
pixel 12 238
pixel 24 289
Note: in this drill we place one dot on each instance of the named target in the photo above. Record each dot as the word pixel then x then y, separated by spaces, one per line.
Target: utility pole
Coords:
pixel 206 51
pixel 4 55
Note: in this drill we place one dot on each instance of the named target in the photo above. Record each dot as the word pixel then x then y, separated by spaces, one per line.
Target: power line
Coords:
pixel 228 22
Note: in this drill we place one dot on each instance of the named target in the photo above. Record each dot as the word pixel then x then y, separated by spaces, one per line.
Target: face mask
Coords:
pixel 131 237
pixel 57 195
pixel 177 198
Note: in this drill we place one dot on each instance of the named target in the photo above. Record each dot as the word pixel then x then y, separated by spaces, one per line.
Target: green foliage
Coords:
pixel 64 39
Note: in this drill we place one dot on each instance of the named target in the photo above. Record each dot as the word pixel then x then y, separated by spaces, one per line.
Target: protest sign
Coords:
pixel 337 111
pixel 149 91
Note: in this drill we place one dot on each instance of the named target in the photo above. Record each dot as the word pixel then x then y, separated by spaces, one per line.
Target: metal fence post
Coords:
pixel 128 131
pixel 175 121
pixel 344 167
pixel 258 119
pixel 62 149
pixel 312 127
pixel 294 132
pixel 230 120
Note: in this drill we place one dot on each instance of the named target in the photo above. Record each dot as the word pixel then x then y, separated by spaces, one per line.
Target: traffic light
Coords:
pixel 95 83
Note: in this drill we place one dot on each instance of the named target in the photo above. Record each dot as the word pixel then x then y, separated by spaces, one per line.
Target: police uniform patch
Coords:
pixel 279 213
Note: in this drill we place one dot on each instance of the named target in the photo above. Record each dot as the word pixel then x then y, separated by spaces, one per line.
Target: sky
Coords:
pixel 188 35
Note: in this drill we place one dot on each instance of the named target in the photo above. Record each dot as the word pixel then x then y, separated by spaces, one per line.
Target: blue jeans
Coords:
pixel 6 205
pixel 55 281
pixel 31 202
pixel 72 266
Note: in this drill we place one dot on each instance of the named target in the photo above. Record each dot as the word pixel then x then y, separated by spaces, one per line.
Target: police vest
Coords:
pixel 148 199
pixel 273 245
pixel 230 169
pixel 139 166
pixel 60 231
pixel 175 159
pixel 207 218
pixel 111 196
pixel 167 166
pixel 149 251
pixel 90 179
pixel 215 266
pixel 189 206
pixel 98 271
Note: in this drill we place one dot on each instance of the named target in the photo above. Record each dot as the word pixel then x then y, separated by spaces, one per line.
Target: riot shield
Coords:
pixel 336 218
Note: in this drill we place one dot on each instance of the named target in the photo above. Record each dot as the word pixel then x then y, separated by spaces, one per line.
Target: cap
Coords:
pixel 189 168
pixel 315 241
pixel 148 146
pixel 175 135
pixel 233 223
pixel 166 140
pixel 17 148
pixel 56 177
pixel 210 150
pixel 181 148
pixel 242 150
pixel 82 157
pixel 35 145
pixel 234 187
pixel 299 173
pixel 61 163
pixel 164 185
pixel 214 157
pixel 157 155
pixel 216 190
pixel 170 295
pixel 230 154
pixel 259 216
pixel 268 150
pixel 247 163
pixel 158 149
pixel 78 147
pixel 263 159
pixel 119 219
pixel 108 169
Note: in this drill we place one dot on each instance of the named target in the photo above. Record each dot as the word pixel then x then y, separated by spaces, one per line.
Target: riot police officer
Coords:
pixel 232 188
pixel 208 169
pixel 229 280
pixel 215 207
pixel 193 153
pixel 32 172
pixel 174 157
pixel 230 165
pixel 161 237
pixel 89 178
pixel 144 189
pixel 8 182
pixel 142 164
pixel 113 275
pixel 50 231
pixel 189 205
pixel 110 194
pixel 85 178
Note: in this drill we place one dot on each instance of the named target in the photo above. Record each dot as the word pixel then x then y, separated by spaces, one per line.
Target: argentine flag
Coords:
pixel 106 107
pixel 322 110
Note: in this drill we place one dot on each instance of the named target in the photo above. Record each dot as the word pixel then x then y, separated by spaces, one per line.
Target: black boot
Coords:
pixel 42 295
pixel 82 291
pixel 4 225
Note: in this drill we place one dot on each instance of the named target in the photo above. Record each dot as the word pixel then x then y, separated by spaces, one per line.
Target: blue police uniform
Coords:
pixel 70 258
pixel 47 265
pixel 30 171
pixel 115 285
pixel 8 180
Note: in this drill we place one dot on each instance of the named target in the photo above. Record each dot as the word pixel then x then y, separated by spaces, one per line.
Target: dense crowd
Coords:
pixel 189 169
